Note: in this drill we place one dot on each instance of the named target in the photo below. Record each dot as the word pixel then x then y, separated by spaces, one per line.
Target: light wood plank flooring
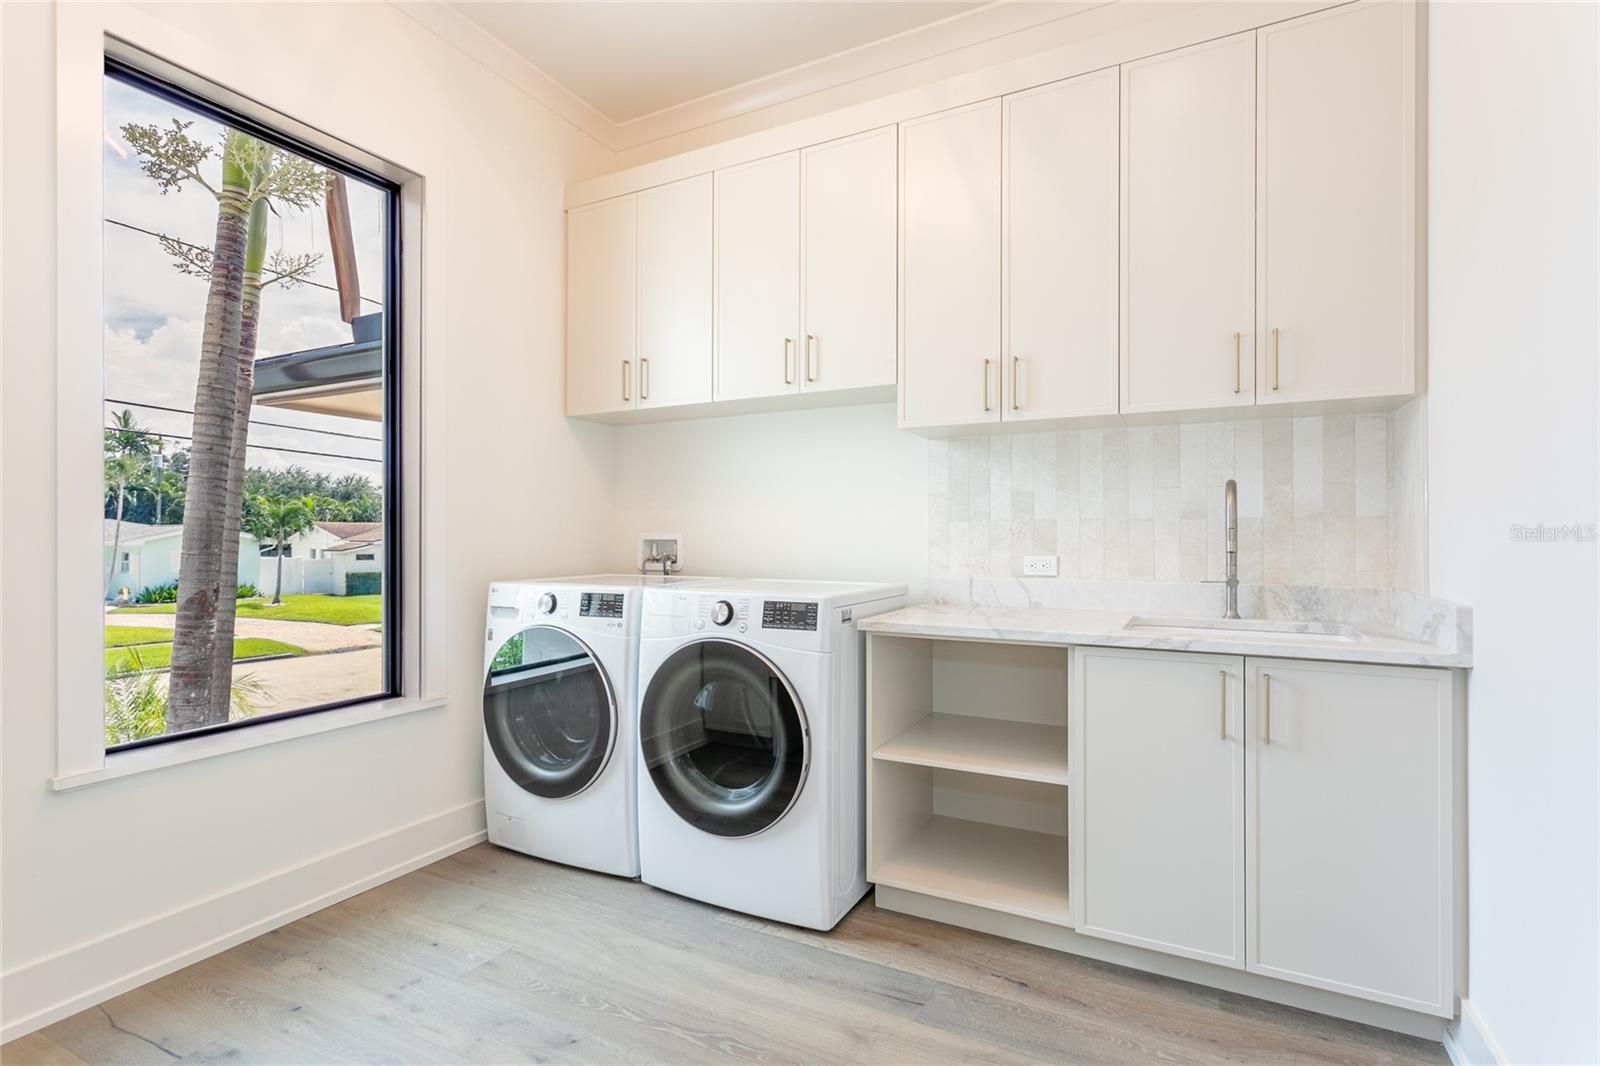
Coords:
pixel 489 956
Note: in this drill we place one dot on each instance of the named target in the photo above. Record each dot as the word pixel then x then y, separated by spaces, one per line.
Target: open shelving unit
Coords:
pixel 968 779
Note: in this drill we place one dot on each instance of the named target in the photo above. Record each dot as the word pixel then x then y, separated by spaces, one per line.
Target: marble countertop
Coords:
pixel 1375 643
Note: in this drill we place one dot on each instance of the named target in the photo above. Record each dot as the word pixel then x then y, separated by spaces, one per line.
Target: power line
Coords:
pixel 260 447
pixel 200 248
pixel 253 421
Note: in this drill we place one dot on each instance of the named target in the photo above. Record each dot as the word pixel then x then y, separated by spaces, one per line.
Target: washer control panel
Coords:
pixel 789 614
pixel 600 605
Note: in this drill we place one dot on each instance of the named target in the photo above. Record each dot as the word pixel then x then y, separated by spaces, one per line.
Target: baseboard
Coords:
pixel 45 991
pixel 1468 1041
pixel 1013 927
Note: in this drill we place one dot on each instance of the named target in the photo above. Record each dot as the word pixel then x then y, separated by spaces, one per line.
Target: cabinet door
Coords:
pixel 1156 744
pixel 758 278
pixel 1337 297
pixel 950 267
pixel 1061 250
pixel 602 254
pixel 675 293
pixel 849 193
pixel 1348 836
pixel 1188 228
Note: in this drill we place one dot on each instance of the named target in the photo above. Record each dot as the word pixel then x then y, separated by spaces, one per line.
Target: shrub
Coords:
pixel 136 702
pixel 246 592
pixel 167 593
pixel 363 583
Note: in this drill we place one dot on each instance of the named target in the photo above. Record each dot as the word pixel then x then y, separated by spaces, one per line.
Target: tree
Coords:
pixel 279 521
pixel 251 172
pixel 127 447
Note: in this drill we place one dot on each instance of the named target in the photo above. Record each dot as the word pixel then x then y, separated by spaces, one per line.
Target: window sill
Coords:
pixel 120 764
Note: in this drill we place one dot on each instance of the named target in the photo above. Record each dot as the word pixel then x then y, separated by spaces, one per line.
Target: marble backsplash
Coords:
pixel 1324 501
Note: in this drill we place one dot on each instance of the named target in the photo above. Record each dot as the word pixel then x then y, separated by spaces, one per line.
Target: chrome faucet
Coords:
pixel 1230 553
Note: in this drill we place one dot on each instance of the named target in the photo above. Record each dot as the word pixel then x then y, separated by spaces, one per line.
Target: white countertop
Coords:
pixel 1037 625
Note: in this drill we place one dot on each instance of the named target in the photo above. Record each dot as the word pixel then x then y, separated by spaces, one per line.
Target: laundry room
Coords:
pixel 813 532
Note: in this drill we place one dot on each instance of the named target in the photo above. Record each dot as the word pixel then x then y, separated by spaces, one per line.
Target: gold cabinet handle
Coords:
pixel 1266 708
pixel 644 378
pixel 1015 402
pixel 1236 378
pixel 625 369
pixel 986 384
pixel 1274 358
pixel 1222 719
pixel 788 379
pixel 810 340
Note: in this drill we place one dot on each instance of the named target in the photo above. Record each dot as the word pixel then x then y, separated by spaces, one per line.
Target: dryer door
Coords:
pixel 549 712
pixel 724 738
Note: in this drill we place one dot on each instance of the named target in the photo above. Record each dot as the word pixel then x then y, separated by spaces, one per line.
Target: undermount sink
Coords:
pixel 1247 627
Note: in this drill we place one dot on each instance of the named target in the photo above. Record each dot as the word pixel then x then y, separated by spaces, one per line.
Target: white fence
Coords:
pixel 299 575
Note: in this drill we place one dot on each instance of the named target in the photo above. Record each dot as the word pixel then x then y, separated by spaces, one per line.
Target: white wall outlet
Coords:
pixel 1039 565
pixel 660 553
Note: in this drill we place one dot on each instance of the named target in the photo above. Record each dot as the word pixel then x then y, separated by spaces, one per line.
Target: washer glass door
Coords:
pixel 549 712
pixel 724 738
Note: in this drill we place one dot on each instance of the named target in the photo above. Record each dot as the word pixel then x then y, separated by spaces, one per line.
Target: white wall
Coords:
pixel 110 880
pixel 837 494
pixel 1512 188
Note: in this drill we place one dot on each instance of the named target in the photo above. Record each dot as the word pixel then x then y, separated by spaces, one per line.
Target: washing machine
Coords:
pixel 751 729
pixel 559 702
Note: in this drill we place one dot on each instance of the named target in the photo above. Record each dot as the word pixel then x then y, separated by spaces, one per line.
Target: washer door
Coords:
pixel 549 712
pixel 724 738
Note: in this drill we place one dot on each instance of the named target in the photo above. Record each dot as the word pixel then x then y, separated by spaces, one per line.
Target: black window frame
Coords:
pixel 393 584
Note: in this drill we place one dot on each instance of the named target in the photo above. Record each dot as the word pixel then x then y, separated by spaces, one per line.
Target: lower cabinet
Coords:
pixel 1157 749
pixel 1288 817
pixel 1349 806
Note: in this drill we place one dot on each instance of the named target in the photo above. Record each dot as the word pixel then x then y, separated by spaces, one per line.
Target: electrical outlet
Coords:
pixel 1039 565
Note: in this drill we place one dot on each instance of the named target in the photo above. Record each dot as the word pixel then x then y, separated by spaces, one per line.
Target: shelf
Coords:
pixel 993 746
pixel 992 866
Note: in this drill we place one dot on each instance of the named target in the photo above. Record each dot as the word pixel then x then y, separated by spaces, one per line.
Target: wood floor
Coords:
pixel 489 956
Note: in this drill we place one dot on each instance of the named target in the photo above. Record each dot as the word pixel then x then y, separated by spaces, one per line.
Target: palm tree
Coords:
pixel 252 172
pixel 279 521
pixel 126 448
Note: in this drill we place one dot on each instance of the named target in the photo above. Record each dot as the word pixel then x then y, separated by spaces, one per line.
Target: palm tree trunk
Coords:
pixel 116 536
pixel 277 593
pixel 244 394
pixel 191 699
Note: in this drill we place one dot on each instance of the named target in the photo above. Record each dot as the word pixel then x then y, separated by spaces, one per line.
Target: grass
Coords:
pixel 158 656
pixel 127 636
pixel 304 607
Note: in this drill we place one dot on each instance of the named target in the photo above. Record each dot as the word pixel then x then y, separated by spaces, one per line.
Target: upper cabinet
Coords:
pixel 675 294
pixel 758 278
pixel 1225 225
pixel 949 255
pixel 848 190
pixel 1059 265
pixel 1188 228
pixel 1336 270
pixel 602 262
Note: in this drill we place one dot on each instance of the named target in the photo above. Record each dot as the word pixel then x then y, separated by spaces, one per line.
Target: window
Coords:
pixel 365 557
pixel 251 309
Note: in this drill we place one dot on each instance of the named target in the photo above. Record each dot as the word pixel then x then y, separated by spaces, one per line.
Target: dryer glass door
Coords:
pixel 549 712
pixel 724 738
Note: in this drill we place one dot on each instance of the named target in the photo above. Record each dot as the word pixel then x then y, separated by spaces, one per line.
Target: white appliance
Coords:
pixel 751 767
pixel 559 710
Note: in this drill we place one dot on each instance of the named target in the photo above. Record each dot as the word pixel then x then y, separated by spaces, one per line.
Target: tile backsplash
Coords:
pixel 1333 500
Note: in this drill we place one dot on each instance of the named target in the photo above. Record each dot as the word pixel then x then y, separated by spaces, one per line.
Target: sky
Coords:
pixel 155 315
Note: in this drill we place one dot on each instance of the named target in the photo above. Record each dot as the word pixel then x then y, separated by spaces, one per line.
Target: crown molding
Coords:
pixel 479 44
pixel 902 52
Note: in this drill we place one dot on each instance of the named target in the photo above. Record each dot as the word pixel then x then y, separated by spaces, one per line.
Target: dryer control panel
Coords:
pixel 788 614
pixel 600 605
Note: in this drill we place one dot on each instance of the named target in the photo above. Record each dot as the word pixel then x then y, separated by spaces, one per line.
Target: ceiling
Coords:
pixel 629 59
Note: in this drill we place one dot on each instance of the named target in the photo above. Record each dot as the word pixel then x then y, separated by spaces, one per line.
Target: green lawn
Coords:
pixel 120 660
pixel 126 636
pixel 307 607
